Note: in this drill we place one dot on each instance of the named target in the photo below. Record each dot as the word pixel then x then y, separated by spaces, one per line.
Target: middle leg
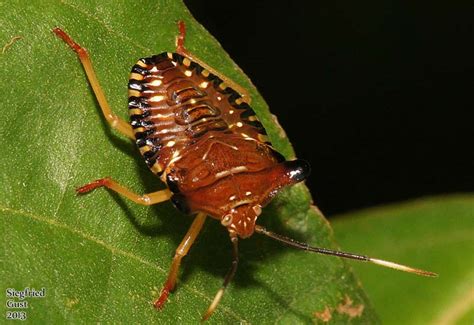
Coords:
pixel 146 199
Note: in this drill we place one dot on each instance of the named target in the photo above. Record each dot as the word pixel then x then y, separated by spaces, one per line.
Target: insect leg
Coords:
pixel 114 121
pixel 181 251
pixel 146 199
pixel 180 49
pixel 230 274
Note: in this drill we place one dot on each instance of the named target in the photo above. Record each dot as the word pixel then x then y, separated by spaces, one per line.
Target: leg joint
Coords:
pixel 144 200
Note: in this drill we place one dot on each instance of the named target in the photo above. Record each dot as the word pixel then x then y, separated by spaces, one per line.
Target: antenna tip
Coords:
pixel 403 268
pixel 213 305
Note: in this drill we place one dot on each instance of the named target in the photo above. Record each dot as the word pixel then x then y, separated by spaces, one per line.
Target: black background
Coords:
pixel 377 96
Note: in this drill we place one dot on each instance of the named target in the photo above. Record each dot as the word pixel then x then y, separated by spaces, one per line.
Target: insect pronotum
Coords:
pixel 196 131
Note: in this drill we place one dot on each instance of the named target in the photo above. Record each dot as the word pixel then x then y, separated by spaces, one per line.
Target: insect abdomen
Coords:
pixel 174 101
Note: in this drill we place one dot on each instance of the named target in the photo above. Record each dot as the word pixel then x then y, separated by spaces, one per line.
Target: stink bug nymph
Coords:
pixel 196 131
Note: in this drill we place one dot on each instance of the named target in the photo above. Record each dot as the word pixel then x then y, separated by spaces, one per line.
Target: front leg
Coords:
pixel 181 252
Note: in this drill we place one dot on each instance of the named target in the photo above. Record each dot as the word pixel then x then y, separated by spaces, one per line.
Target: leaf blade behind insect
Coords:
pixel 435 233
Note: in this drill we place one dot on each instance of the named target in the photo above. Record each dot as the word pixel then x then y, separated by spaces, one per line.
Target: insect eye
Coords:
pixel 298 170
pixel 227 220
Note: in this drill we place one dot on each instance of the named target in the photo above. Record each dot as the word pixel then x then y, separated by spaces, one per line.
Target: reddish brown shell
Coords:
pixel 205 141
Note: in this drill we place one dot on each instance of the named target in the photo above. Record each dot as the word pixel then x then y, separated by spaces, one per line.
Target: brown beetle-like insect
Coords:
pixel 198 133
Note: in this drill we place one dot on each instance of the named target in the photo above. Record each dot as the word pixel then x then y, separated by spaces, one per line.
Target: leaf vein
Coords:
pixel 107 286
pixel 115 251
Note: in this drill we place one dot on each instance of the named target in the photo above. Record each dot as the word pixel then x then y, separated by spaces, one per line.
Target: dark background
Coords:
pixel 377 96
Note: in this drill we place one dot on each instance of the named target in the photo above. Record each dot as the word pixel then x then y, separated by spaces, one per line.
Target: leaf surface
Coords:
pixel 436 234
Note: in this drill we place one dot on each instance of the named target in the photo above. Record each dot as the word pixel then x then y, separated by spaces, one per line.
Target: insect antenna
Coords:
pixel 303 246
pixel 230 274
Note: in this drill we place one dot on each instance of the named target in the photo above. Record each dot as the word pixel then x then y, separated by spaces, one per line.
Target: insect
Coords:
pixel 196 131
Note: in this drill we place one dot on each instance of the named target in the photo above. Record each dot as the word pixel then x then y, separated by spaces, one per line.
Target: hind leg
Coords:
pixel 180 49
pixel 114 121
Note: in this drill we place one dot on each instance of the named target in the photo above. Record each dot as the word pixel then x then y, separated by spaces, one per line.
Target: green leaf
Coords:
pixel 436 234
pixel 100 257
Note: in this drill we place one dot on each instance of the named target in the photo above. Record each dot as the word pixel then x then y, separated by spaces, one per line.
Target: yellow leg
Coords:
pixel 180 49
pixel 146 199
pixel 181 251
pixel 114 121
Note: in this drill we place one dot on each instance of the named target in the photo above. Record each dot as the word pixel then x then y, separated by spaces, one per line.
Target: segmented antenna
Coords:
pixel 303 246
pixel 227 279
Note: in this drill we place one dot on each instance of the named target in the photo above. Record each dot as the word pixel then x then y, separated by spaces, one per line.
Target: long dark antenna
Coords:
pixel 230 274
pixel 293 243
